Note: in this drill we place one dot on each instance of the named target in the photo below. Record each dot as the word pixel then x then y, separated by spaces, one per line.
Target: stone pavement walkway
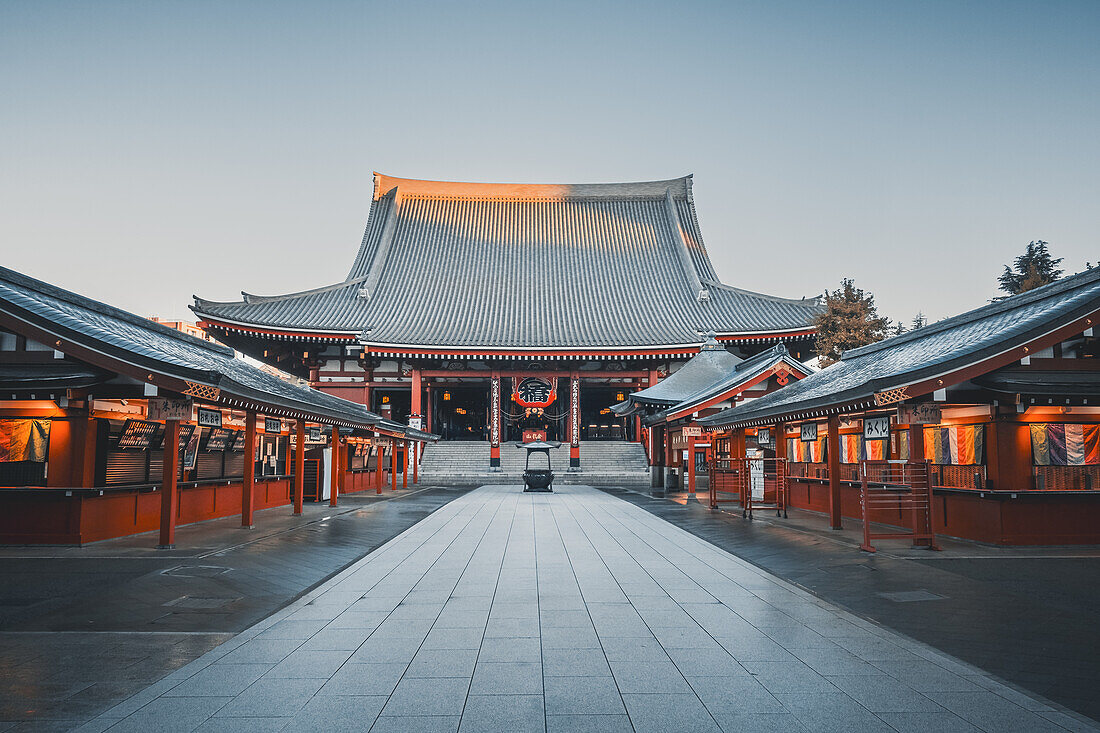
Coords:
pixel 572 611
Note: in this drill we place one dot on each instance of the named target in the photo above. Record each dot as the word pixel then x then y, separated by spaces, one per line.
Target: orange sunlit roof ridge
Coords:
pixel 415 187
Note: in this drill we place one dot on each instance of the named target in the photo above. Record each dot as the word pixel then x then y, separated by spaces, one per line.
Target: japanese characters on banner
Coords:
pixel 162 408
pixel 808 432
pixel 764 436
pixel 575 411
pixel 273 425
pixel 494 406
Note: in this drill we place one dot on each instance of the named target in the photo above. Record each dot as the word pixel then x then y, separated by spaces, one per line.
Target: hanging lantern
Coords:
pixel 535 392
pixel 446 396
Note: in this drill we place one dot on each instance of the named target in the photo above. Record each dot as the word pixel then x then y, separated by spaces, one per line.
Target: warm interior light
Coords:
pixel 620 396
pixel 446 396
pixel 385 400
pixel 460 410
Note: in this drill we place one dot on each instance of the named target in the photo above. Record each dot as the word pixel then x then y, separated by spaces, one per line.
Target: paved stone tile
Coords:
pixel 575 663
pixel 588 724
pixel 649 677
pixel 274 697
pixel 378 678
pixel 664 712
pixel 503 714
pixel 219 680
pixel 437 696
pixel 336 713
pixel 171 714
pixel 443 663
pixel 242 725
pixel 578 612
pixel 582 696
pixel 417 723
pixel 309 664
pixel 507 678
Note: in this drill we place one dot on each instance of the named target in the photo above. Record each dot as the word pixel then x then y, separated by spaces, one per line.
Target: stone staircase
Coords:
pixel 603 463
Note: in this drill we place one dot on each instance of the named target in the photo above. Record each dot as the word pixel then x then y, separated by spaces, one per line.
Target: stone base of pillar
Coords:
pixel 672 480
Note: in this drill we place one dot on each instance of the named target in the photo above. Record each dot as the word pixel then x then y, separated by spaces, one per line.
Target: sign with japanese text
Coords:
pixel 876 428
pixel 210 418
pixel 273 425
pixel 764 436
pixel 922 413
pixel 808 433
pixel 692 431
pixel 162 408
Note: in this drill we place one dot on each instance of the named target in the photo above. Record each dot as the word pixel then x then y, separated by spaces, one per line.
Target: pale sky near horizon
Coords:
pixel 151 150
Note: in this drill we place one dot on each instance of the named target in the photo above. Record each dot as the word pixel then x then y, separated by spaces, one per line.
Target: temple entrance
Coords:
pixel 550 419
pixel 598 422
pixel 460 411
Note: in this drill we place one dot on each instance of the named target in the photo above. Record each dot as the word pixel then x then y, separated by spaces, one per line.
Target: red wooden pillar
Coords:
pixel 300 467
pixel 417 409
pixel 428 407
pixel 834 471
pixel 169 496
pixel 691 464
pixel 780 433
pixel 494 421
pixel 916 444
pixel 335 468
pixel 248 484
pixel 416 460
pixel 393 464
pixel 378 458
pixel 405 465
pixel 574 420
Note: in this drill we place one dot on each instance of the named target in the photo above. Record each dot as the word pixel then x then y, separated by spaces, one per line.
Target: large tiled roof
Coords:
pixel 713 364
pixel 119 337
pixel 513 266
pixel 929 352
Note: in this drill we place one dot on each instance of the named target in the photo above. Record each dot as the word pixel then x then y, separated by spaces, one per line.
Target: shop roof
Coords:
pixel 995 330
pixel 110 338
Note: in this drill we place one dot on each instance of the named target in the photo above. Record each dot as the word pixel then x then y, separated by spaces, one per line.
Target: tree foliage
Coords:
pixel 849 320
pixel 1033 269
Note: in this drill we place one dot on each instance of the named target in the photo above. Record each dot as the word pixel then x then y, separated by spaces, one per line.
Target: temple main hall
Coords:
pixel 498 312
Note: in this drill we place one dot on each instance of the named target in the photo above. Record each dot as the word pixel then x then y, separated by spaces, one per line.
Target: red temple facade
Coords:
pixel 493 312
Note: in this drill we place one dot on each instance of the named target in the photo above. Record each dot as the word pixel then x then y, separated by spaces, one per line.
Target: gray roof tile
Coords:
pixel 527 266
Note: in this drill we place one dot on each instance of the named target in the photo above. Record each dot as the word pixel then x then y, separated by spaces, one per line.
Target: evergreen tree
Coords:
pixel 919 321
pixel 850 320
pixel 1033 269
pixel 899 329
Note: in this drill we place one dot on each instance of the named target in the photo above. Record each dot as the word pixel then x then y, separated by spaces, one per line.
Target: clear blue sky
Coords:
pixel 151 150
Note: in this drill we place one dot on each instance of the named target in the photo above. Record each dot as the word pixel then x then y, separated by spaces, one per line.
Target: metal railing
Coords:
pixel 899 494
pixel 755 483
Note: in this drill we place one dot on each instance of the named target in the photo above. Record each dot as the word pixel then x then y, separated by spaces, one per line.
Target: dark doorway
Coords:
pixel 394 403
pixel 598 422
pixel 460 411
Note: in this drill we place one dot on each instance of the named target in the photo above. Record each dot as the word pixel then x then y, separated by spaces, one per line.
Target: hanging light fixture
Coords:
pixel 446 396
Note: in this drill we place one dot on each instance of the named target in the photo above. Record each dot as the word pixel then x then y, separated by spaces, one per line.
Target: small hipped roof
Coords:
pixel 924 360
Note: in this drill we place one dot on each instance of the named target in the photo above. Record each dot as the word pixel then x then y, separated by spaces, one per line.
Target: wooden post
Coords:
pixel 300 467
pixel 405 466
pixel 169 496
pixel 691 464
pixel 334 477
pixel 428 408
pixel 377 465
pixel 417 408
pixel 393 464
pixel 416 459
pixel 834 471
pixel 248 485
